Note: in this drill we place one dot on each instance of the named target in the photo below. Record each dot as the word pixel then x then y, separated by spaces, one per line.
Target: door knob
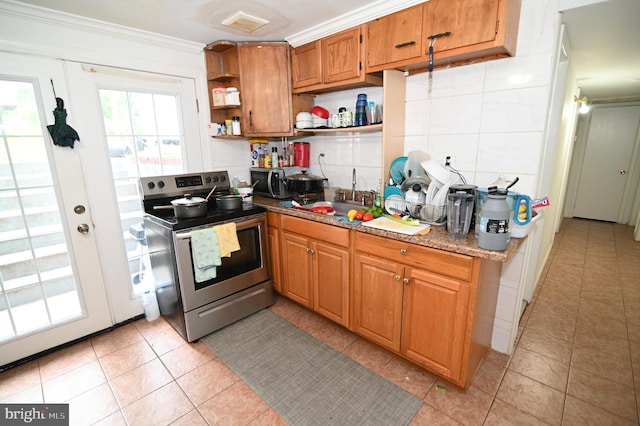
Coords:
pixel 79 209
pixel 622 171
pixel 83 228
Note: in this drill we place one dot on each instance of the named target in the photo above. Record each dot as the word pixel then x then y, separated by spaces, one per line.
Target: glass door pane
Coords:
pixel 37 285
pixel 144 139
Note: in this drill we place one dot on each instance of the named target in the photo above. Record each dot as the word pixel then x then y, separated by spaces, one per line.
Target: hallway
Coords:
pixel 577 359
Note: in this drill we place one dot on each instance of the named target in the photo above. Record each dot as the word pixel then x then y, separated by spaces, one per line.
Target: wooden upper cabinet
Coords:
pixel 332 63
pixel 306 65
pixel 479 29
pixel 395 39
pixel 469 22
pixel 266 89
pixel 342 56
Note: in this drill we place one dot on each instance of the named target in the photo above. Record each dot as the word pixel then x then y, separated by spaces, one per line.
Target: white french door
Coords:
pixel 140 124
pixel 51 286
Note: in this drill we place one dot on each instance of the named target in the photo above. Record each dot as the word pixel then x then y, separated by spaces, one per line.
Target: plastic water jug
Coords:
pixel 493 221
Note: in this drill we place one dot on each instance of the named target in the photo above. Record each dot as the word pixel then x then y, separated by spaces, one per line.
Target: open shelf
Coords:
pixel 352 129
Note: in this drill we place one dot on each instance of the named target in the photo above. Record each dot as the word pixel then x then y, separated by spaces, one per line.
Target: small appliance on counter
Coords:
pixel 271 182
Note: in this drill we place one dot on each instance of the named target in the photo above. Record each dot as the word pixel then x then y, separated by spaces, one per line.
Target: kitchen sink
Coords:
pixel 341 208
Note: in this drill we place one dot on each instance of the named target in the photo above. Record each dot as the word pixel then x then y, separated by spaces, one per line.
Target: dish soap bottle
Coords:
pixel 267 159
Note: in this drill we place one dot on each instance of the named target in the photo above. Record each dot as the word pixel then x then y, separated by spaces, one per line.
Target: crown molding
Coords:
pixel 359 16
pixel 62 19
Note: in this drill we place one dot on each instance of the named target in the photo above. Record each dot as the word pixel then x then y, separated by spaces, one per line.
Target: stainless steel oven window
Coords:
pixel 244 268
pixel 246 259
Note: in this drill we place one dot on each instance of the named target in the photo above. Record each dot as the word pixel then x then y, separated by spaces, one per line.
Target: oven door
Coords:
pixel 244 269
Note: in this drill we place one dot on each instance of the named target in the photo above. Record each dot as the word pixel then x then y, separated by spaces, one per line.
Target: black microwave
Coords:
pixel 270 182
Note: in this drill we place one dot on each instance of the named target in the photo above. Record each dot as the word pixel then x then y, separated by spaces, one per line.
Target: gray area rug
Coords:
pixel 306 381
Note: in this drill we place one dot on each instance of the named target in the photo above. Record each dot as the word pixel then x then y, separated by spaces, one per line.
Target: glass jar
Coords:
pixel 232 96
pixel 218 95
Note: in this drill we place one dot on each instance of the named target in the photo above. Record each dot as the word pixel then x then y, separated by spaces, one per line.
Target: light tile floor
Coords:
pixel 577 359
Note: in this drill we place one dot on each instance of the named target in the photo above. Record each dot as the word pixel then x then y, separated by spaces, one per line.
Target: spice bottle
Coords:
pixel 291 154
pixel 235 124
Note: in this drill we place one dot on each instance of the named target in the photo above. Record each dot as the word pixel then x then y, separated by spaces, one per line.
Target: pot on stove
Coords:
pixel 187 207
pixel 229 202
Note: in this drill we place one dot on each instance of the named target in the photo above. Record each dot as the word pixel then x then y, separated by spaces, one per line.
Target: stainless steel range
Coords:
pixel 242 283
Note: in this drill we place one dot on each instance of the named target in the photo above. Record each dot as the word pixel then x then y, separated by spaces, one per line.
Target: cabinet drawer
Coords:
pixel 442 262
pixel 318 231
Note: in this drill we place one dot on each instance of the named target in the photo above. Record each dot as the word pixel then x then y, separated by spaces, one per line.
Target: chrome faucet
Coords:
pixel 353 185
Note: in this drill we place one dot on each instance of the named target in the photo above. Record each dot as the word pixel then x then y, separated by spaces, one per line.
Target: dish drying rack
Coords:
pixel 429 213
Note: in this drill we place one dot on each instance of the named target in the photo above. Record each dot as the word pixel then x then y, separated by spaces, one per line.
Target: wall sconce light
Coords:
pixel 584 108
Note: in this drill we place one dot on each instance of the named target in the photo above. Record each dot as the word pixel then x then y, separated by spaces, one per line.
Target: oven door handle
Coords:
pixel 240 225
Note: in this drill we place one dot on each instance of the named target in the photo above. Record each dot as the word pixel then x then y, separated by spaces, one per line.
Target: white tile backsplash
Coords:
pixel 456 114
pixel 513 153
pixel 518 110
pixel 507 303
pixel 518 72
pixel 462 148
pixel 416 120
pixel 458 81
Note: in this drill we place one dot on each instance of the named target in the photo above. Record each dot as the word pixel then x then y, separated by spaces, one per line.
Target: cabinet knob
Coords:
pixel 309 250
pixel 403 251
pixel 405 280
pixel 397 277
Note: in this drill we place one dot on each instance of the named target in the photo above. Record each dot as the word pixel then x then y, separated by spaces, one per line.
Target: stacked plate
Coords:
pixel 304 120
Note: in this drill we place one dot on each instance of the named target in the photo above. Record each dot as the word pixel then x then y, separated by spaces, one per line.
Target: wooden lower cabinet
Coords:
pixel 434 320
pixel 377 300
pixel 315 260
pixel 418 313
pixel 432 307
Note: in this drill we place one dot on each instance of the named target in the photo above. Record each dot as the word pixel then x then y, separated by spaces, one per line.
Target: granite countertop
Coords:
pixel 437 238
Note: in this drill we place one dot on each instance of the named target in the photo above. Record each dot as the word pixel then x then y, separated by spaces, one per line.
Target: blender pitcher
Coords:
pixel 459 211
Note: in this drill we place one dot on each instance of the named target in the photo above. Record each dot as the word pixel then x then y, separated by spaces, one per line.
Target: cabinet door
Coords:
pixel 377 300
pixel 341 56
pixel 274 256
pixel 434 321
pixel 469 22
pixel 306 65
pixel 266 89
pixel 394 38
pixel 296 267
pixel 331 282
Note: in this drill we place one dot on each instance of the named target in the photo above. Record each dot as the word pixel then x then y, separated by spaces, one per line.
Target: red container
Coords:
pixel 301 154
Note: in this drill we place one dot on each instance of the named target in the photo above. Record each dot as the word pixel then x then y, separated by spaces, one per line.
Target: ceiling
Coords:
pixel 604 36
pixel 605 49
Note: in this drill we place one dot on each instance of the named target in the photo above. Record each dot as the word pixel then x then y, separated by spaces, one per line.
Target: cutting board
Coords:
pixel 390 225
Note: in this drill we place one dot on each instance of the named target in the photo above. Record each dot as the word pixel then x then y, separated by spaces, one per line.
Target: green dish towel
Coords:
pixel 206 253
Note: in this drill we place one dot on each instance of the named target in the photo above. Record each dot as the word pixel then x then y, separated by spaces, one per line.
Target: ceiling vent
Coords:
pixel 244 22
